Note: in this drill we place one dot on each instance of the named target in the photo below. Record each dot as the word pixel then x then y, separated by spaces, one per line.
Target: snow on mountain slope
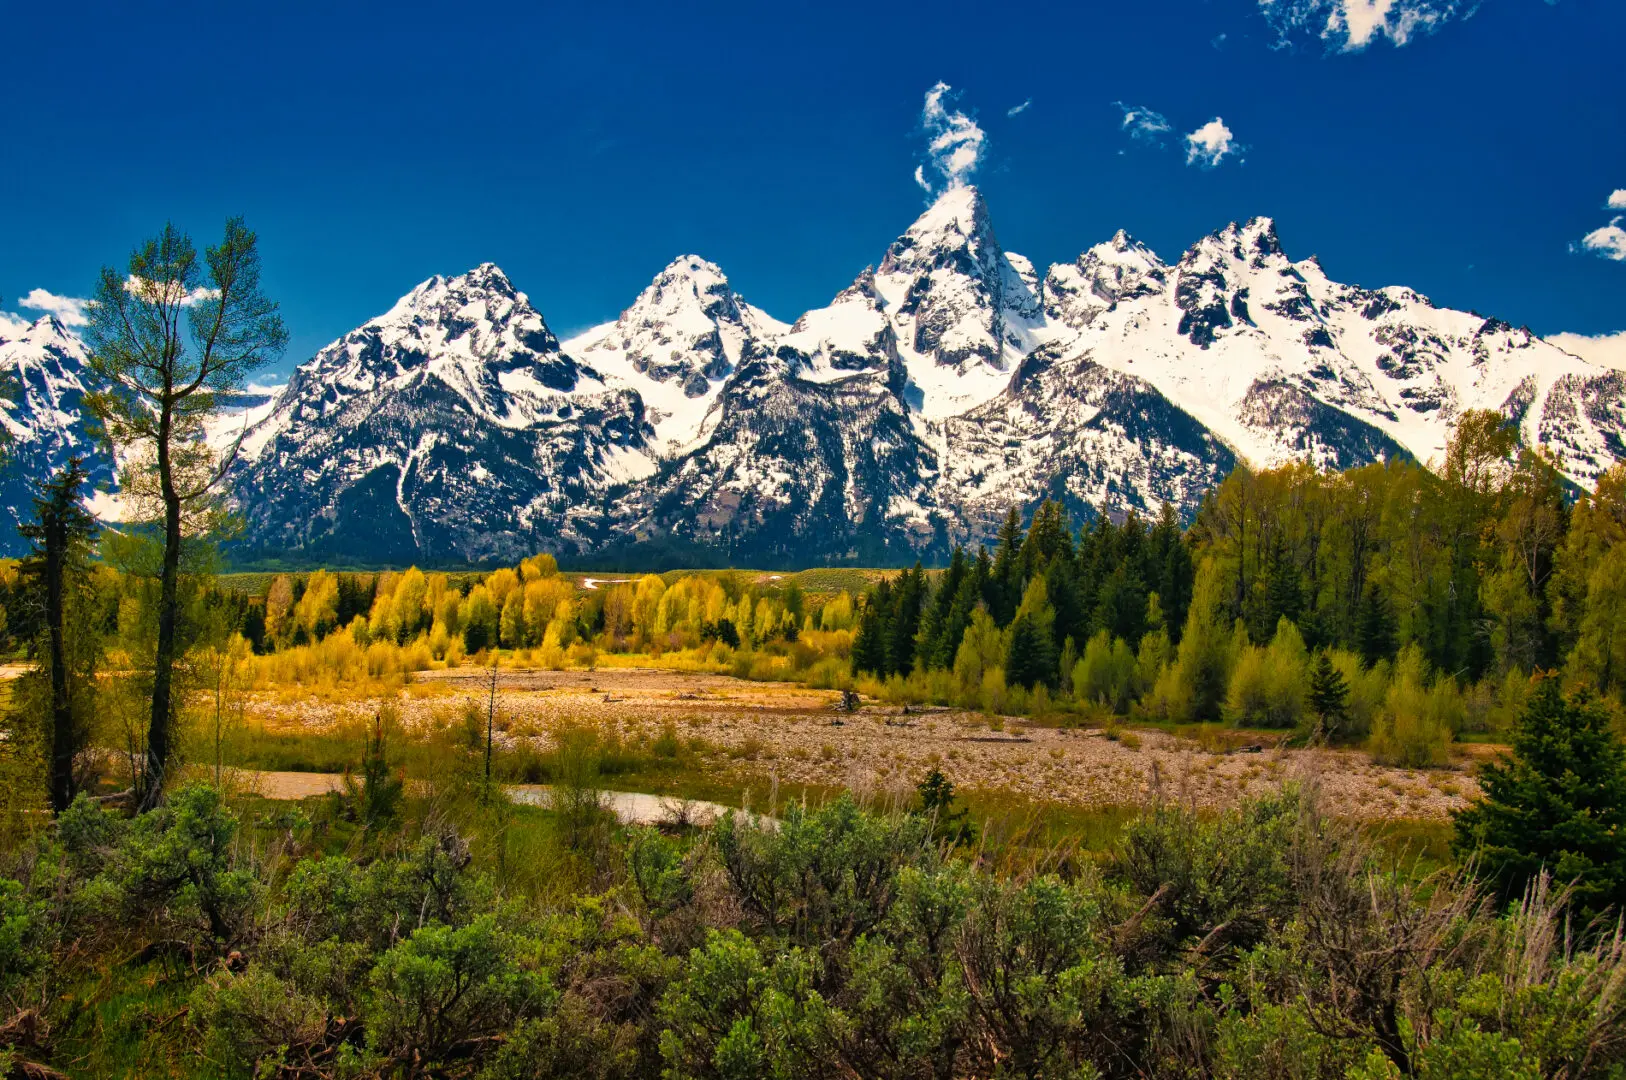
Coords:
pixel 963 311
pixel 794 469
pixel 676 346
pixel 1070 429
pixel 1284 363
pixel 46 421
pixel 1120 269
pixel 453 427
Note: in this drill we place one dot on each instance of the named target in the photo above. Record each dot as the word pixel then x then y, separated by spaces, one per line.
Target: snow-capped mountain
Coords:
pixel 451 428
pixel 46 419
pixel 945 384
pixel 677 345
pixel 1282 362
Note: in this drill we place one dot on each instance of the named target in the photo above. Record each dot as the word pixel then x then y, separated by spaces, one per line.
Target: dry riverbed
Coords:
pixel 793 735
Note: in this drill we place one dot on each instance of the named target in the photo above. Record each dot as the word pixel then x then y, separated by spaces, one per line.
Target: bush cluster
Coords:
pixel 834 942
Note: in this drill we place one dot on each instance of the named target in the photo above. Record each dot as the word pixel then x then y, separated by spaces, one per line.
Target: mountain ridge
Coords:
pixel 947 382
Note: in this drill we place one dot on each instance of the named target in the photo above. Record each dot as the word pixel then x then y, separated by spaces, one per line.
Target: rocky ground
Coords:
pixel 794 735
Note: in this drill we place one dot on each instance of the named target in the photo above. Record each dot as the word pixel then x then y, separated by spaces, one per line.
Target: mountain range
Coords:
pixel 947 383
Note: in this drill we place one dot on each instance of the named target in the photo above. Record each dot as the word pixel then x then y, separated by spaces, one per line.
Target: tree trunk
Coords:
pixel 158 729
pixel 62 741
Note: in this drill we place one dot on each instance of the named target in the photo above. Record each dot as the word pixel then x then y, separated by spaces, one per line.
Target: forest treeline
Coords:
pixel 1386 602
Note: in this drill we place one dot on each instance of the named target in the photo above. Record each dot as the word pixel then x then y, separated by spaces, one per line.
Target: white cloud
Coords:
pixel 1210 144
pixel 1144 124
pixel 956 144
pixel 1022 108
pixel 1352 25
pixel 11 325
pixel 1608 242
pixel 1617 200
pixel 1605 350
pixel 69 310
pixel 920 178
pixel 152 292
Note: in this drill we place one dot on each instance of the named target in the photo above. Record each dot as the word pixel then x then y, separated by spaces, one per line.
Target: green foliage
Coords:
pixel 177 867
pixel 946 821
pixel 1269 687
pixel 1557 805
pixel 1108 673
pixel 1222 880
pixel 1266 942
pixel 55 576
pixel 378 798
pixel 1420 715
pixel 1329 697
pixel 444 987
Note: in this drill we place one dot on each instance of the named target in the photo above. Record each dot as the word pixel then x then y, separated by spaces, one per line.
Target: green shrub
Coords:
pixel 177 866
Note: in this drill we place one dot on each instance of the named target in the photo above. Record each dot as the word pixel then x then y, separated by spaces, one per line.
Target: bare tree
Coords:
pixel 170 336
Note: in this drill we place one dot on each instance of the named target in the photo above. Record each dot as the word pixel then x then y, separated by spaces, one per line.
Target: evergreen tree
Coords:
pixel 935 621
pixel 1120 605
pixel 1329 695
pixel 908 600
pixel 870 643
pixel 1375 627
pixel 1025 659
pixel 1175 574
pixel 1007 569
pixel 948 822
pixel 1061 586
pixel 1283 594
pixel 1049 537
pixel 1031 658
pixel 966 599
pixel 1559 804
pixel 60 533
pixel 983 575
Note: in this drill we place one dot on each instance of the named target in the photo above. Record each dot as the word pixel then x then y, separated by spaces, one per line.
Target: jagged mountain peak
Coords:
pixel 45 417
pixel 957 221
pixel 688 292
pixel 962 311
pixel 676 344
pixel 48 331
pixel 1254 242
pixel 1117 269
pixel 933 391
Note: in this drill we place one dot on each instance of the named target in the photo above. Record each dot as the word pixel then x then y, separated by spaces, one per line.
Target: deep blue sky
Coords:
pixel 583 146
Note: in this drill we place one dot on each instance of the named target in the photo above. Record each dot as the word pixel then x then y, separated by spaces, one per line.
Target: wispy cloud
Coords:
pixel 1210 144
pixel 11 325
pixel 1605 350
pixel 69 310
pixel 1609 242
pixel 1352 25
pixel 955 144
pixel 1617 200
pixel 1022 108
pixel 1144 124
